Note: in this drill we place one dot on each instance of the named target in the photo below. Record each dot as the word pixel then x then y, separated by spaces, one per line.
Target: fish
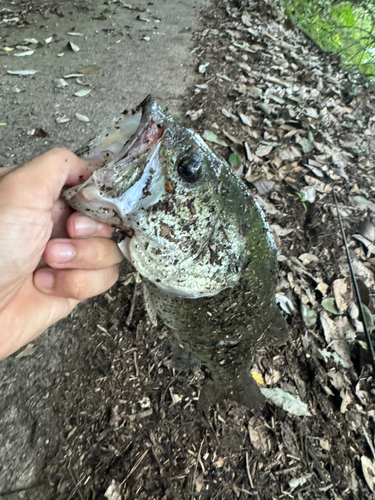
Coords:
pixel 196 236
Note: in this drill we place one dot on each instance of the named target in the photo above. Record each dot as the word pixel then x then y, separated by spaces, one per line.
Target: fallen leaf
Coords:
pixel 89 69
pixel 285 303
pixel 210 136
pixel 263 150
pixel 368 469
pixel 62 119
pixel 245 119
pixel 308 258
pixel 234 160
pixel 228 114
pixel 194 115
pixel 263 185
pixel 73 47
pixel 322 288
pixel 203 66
pixel 23 72
pixel 60 83
pixel 306 145
pixel 258 378
pixel 360 202
pixel 335 357
pixel 311 112
pixel 368 244
pixel 309 316
pixel 82 92
pixel 113 492
pixel 367 230
pixel 341 293
pixel 281 231
pixel 259 438
pixel 330 306
pixel 25 53
pixel 288 402
pixel 219 463
pixel 297 481
pixel 309 193
pixel 82 118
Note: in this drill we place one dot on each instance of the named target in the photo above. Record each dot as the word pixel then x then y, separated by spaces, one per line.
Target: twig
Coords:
pixel 137 463
pixel 132 306
pixel 135 363
pixel 196 466
pixel 368 338
pixel 75 489
pixel 248 471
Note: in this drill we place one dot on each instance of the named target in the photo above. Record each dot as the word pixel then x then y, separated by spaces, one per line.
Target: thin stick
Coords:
pixel 132 306
pixel 368 338
pixel 196 465
pixel 248 471
pixel 137 463
pixel 135 363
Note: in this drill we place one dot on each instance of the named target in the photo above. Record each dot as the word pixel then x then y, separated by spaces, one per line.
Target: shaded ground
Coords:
pixel 121 408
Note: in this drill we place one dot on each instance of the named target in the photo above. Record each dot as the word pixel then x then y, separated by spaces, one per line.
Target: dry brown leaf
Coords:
pixel 341 293
pixel 263 150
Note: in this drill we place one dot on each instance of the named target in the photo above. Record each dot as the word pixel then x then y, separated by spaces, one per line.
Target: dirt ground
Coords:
pixel 104 406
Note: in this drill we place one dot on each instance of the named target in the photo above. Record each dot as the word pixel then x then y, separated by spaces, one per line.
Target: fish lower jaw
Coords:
pixel 124 248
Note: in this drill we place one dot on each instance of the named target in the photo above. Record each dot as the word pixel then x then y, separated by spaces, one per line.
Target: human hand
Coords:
pixel 50 258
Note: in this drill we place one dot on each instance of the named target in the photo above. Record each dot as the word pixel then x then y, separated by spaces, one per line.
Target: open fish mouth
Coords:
pixel 127 170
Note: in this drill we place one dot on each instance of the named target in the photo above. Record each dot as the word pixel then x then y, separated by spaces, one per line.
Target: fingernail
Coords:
pixel 44 279
pixel 84 226
pixel 62 252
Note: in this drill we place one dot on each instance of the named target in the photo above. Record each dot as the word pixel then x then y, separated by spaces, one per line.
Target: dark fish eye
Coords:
pixel 189 168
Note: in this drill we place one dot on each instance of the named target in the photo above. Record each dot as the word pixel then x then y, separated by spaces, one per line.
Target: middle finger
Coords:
pixel 89 253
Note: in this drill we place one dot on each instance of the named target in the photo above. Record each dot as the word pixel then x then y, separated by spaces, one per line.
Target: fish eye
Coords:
pixel 189 168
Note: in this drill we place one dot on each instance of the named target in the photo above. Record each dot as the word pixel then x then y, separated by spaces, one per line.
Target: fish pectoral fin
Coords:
pixel 243 390
pixel 149 305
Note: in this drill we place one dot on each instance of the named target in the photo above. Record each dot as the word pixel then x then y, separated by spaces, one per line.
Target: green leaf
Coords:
pixel 212 137
pixel 3 124
pixel 368 316
pixel 330 306
pixel 90 69
pixel 235 160
pixel 308 315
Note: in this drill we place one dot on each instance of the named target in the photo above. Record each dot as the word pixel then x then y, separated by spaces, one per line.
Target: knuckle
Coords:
pixel 58 153
pixel 101 252
pixel 78 285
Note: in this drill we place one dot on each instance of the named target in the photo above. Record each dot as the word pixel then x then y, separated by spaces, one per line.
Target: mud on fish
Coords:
pixel 197 238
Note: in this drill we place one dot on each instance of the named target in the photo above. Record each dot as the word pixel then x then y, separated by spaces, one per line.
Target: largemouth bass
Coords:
pixel 196 236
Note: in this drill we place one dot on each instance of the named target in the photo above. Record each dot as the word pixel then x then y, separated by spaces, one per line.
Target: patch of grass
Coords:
pixel 345 28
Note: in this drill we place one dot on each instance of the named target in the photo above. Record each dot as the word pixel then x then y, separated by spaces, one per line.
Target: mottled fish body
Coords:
pixel 197 238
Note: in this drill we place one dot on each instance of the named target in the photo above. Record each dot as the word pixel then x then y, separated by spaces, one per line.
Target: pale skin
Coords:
pixel 51 258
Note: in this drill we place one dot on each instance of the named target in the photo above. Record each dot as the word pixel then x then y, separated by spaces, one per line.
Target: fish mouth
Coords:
pixel 149 132
pixel 126 170
pixel 128 137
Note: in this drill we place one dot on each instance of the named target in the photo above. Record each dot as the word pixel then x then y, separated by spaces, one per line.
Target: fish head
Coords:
pixel 163 185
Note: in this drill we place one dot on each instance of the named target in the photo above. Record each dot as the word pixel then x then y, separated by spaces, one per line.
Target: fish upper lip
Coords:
pixel 149 132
